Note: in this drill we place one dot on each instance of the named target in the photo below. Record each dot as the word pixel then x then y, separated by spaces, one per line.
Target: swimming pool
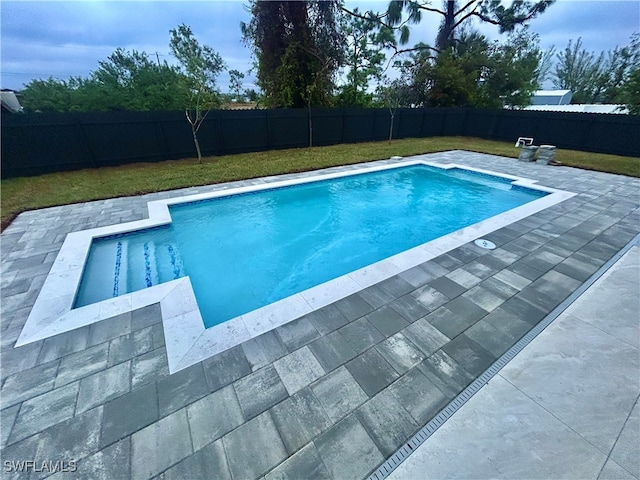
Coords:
pixel 187 340
pixel 245 251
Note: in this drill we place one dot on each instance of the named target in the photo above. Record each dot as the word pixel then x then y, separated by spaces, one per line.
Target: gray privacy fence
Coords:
pixel 33 144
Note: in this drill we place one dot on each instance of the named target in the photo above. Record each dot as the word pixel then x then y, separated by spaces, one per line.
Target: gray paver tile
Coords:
pixel 419 396
pixel 82 364
pixel 396 286
pixel 361 335
pixel 479 269
pixel 425 336
pixel 208 462
pixel 14 360
pixel 73 439
pixel 103 386
pixel 508 323
pixel 226 367
pixel 499 288
pixel 522 310
pixel 145 317
pixel 463 278
pixel 448 323
pixel 298 369
pixel 339 393
pixel 299 419
pixel 490 338
pixel 260 391
pixel 347 450
pixel 149 367
pixel 409 307
pixel 28 384
pixel 112 463
pixel 353 307
pixel 181 388
pixel 264 349
pixel 469 355
pixel 258 440
pixel 387 320
pixel 213 416
pixel 304 464
pixel 388 424
pixel 44 411
pixel 401 354
pixel 375 296
pixel 63 344
pixel 7 419
pixel 372 372
pixel 160 445
pixel 447 261
pixel 524 270
pixel 126 347
pixel 445 373
pixel 431 297
pixel 109 329
pixel 298 333
pixel 129 413
pixel 327 319
pixel 332 350
pixel 484 298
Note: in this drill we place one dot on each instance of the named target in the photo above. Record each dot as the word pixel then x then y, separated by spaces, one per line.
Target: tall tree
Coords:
pixel 454 14
pixel 298 49
pixel 235 82
pixel 579 71
pixel 200 65
pixel 365 41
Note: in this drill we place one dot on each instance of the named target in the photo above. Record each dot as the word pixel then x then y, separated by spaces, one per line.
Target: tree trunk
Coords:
pixel 391 128
pixel 310 124
pixel 197 144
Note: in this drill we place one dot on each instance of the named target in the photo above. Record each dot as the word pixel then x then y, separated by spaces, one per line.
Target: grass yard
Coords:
pixel 27 193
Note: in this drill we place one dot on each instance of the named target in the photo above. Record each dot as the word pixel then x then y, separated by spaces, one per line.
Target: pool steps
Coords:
pixel 143 266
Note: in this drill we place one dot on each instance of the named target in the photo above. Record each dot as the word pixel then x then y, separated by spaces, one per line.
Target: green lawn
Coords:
pixel 27 193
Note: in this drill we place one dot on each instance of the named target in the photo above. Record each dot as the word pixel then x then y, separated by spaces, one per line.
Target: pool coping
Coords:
pixel 187 340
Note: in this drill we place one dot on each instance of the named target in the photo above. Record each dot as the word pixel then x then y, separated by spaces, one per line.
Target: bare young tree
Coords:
pixel 200 65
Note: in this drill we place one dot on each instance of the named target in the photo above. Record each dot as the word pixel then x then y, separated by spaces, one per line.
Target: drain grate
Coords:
pixel 384 470
pixel 487 244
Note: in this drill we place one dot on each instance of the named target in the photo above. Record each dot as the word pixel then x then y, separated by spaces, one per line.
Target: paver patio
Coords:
pixel 329 395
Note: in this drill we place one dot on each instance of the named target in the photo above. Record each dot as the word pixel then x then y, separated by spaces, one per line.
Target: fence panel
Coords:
pixel 33 144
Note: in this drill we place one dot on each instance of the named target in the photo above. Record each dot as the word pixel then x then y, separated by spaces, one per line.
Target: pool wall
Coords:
pixel 187 340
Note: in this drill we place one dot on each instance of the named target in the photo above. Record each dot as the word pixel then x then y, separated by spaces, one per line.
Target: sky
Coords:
pixel 40 39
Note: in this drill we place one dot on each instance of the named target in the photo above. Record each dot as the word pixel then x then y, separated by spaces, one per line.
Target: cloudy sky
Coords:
pixel 40 39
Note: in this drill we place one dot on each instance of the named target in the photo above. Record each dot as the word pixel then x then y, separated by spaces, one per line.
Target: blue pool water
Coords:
pixel 245 251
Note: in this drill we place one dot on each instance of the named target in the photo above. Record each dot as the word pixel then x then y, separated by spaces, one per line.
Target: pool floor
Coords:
pixel 303 397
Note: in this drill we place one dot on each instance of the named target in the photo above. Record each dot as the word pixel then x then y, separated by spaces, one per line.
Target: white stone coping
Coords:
pixel 187 340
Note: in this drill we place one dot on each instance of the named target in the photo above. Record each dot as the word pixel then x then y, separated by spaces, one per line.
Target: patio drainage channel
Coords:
pixel 393 462
pixel 332 394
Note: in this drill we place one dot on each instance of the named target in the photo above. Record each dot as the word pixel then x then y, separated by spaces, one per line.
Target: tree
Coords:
pixel 579 71
pixel 124 81
pixel 365 41
pixel 235 82
pixel 513 72
pixel 475 72
pixel 132 81
pixel 596 77
pixel 200 66
pixel 298 49
pixel 630 92
pixel 453 15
